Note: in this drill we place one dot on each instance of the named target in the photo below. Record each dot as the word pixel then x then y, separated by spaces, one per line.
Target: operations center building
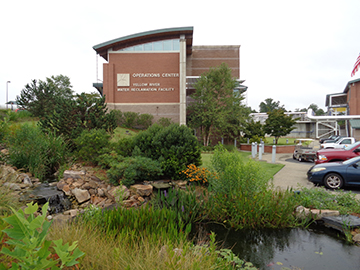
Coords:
pixel 154 72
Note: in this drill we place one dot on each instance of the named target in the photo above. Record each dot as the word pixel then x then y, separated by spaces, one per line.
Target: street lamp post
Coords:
pixel 7 93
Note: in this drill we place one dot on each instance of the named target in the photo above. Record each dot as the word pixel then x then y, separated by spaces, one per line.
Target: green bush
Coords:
pixel 130 119
pixel 145 121
pixel 39 153
pixel 4 128
pixel 119 118
pixel 134 169
pixel 92 143
pixel 123 147
pixel 165 122
pixel 108 160
pixel 174 147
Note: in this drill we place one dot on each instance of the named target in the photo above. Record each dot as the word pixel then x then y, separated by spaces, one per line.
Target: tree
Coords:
pixel 314 107
pixel 39 97
pixel 254 131
pixel 278 124
pixel 270 105
pixel 216 104
pixel 71 116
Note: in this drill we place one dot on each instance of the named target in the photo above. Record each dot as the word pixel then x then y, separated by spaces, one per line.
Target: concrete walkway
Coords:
pixel 293 174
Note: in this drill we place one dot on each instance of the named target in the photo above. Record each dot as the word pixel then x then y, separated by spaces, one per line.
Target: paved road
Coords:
pixel 293 174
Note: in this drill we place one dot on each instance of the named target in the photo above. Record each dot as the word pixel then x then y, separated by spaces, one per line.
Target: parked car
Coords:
pixel 338 154
pixel 304 153
pixel 336 175
pixel 331 138
pixel 340 143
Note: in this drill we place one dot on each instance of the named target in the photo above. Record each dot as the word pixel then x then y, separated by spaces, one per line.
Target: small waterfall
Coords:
pixel 58 201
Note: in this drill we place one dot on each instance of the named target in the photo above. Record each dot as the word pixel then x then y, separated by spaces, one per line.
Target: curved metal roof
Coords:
pixel 145 37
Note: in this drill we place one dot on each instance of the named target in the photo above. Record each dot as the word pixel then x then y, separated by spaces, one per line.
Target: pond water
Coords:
pixel 316 247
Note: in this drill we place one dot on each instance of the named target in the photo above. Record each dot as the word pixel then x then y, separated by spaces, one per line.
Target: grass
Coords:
pixel 105 251
pixel 120 133
pixel 270 169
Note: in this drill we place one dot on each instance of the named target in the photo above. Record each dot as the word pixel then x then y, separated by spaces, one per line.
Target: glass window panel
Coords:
pixel 138 48
pixel 167 45
pixel 158 46
pixel 176 45
pixel 148 46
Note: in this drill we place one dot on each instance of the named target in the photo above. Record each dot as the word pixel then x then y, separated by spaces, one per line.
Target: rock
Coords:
pixel 26 179
pixel 66 190
pixel 356 238
pixel 119 193
pixel 49 217
pixel 73 174
pixel 143 190
pixel 100 192
pixel 161 184
pixel 303 212
pixel 71 212
pixel 12 186
pixel 81 195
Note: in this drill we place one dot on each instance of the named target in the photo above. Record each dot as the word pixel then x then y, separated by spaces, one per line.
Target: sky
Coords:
pixel 295 52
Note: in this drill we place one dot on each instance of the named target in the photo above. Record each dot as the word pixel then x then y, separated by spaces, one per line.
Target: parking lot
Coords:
pixel 293 174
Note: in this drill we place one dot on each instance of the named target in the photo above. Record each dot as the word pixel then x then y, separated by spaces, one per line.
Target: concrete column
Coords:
pixel 182 80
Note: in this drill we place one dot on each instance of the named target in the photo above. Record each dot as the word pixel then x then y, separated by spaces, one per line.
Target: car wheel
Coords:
pixel 300 159
pixel 333 181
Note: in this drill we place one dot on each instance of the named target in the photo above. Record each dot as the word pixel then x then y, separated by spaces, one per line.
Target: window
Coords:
pixel 164 45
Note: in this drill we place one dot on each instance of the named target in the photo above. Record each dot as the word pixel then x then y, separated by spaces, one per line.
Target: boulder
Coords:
pixel 74 174
pixel 143 190
pixel 81 195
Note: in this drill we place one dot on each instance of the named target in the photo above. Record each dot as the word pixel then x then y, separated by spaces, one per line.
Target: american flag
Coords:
pixel 356 66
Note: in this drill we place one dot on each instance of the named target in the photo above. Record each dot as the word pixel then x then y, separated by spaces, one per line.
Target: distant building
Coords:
pixel 154 72
pixel 347 104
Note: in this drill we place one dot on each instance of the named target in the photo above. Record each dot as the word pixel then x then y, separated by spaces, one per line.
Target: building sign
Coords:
pixel 123 81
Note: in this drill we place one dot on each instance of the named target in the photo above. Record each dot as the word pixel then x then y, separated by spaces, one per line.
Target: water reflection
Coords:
pixel 314 248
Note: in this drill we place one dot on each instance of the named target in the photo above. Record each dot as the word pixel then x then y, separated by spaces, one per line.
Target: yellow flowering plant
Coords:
pixel 196 174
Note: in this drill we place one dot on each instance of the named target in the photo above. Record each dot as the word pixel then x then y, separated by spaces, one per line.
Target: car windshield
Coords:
pixel 351 146
pixel 351 160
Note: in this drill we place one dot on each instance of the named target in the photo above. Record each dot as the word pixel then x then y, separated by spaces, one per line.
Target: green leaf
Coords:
pixel 31 208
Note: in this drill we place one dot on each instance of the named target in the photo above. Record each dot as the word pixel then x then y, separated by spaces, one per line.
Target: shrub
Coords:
pixel 130 119
pixel 123 147
pixel 174 147
pixel 145 121
pixel 165 122
pixel 92 143
pixel 39 153
pixel 4 128
pixel 119 118
pixel 134 169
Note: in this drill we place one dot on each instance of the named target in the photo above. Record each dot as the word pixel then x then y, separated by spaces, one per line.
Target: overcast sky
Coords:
pixel 294 52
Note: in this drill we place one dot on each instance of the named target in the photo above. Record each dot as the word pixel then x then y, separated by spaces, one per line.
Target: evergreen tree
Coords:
pixel 39 97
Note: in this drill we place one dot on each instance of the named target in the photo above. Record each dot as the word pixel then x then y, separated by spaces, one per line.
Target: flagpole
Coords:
pixel 7 83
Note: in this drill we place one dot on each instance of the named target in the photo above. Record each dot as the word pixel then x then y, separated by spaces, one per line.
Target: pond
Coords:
pixel 316 247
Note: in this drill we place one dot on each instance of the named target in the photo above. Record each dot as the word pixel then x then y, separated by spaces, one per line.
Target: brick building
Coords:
pixel 153 72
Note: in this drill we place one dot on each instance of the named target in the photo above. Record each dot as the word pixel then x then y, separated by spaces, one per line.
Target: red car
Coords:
pixel 331 155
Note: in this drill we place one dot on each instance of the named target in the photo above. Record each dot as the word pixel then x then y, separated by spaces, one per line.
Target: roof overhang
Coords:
pixel 144 37
pixel 347 87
